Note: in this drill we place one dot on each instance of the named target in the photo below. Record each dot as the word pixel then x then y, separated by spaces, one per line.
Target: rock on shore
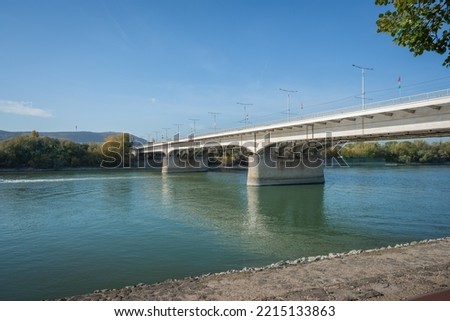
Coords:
pixel 400 272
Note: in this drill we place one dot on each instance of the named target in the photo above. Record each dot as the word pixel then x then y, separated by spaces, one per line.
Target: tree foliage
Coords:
pixel 117 150
pixel 420 25
pixel 405 152
pixel 47 153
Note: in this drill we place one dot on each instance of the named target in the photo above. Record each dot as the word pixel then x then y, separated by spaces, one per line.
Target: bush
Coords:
pixel 47 153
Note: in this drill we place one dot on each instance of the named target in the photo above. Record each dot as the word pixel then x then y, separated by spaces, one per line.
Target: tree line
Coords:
pixel 403 152
pixel 38 152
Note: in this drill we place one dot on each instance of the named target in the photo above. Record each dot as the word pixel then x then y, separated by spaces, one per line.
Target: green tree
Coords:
pixel 405 152
pixel 444 152
pixel 420 25
pixel 117 151
pixel 417 151
pixel 94 158
pixel 47 153
pixel 363 150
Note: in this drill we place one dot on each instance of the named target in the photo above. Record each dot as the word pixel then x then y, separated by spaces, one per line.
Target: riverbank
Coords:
pixel 401 272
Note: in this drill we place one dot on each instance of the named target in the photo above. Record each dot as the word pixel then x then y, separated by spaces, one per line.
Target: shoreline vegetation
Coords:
pixel 398 152
pixel 34 152
pixel 402 272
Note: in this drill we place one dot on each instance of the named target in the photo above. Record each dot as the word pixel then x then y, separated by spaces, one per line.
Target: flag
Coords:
pixel 399 82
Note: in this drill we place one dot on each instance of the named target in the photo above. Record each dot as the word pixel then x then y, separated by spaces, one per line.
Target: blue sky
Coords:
pixel 142 66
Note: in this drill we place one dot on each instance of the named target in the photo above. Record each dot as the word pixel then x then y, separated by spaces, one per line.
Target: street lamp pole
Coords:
pixel 289 92
pixel 166 128
pixel 245 112
pixel 363 84
pixel 194 120
pixel 178 127
pixel 215 123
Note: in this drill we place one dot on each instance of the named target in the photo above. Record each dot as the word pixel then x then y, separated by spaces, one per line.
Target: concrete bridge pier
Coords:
pixel 181 161
pixel 286 164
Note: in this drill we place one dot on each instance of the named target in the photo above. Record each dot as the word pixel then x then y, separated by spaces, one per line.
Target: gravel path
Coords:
pixel 402 272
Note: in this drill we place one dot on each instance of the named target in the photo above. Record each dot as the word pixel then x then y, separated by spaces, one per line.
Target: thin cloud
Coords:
pixel 22 108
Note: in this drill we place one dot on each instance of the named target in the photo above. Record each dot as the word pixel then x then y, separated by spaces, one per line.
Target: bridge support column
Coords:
pixel 185 161
pixel 274 166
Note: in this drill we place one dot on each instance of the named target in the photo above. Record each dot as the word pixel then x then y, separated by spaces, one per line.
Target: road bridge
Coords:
pixel 289 152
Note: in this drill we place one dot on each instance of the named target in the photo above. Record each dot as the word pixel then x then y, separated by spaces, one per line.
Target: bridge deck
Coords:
pixel 425 115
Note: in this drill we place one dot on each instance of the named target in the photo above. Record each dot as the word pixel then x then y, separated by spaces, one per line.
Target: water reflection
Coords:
pixel 219 197
pixel 286 206
pixel 165 190
pixel 203 197
pixel 269 220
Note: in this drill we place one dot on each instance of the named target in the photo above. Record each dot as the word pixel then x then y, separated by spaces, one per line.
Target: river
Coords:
pixel 71 232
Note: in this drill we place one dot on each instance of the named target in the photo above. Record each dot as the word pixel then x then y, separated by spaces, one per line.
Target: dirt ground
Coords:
pixel 403 272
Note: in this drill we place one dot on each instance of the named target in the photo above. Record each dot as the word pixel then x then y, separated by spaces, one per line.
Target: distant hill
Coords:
pixel 78 136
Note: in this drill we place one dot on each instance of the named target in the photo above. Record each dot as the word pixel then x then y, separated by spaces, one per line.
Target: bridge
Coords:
pixel 292 152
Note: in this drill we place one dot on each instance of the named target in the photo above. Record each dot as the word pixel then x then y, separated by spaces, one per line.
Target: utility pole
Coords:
pixel 363 84
pixel 156 135
pixel 289 92
pixel 215 123
pixel 245 112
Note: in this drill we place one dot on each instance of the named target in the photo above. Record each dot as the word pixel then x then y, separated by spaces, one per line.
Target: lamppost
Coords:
pixel 245 112
pixel 194 120
pixel 166 128
pixel 177 135
pixel 363 84
pixel 215 123
pixel 178 127
pixel 289 92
